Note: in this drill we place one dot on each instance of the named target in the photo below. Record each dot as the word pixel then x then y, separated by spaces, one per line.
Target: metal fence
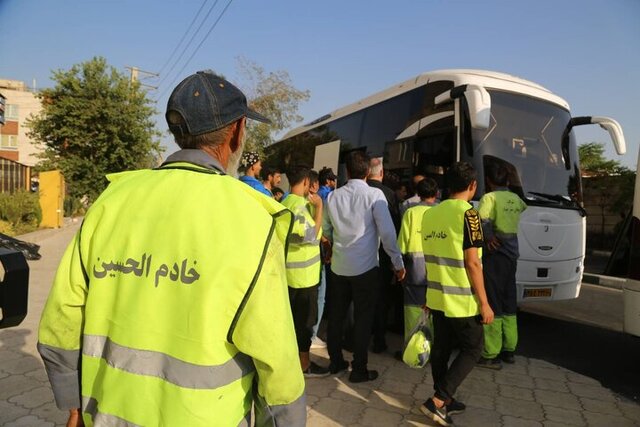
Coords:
pixel 13 176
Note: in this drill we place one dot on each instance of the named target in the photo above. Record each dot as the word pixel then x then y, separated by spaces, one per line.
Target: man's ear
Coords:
pixel 238 134
pixel 473 186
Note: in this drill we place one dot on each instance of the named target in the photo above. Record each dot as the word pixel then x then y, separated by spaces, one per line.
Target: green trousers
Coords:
pixel 501 335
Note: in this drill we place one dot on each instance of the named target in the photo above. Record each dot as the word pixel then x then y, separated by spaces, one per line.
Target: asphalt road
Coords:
pixel 607 355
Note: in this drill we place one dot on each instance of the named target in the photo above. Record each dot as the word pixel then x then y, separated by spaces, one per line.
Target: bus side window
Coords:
pixel 434 149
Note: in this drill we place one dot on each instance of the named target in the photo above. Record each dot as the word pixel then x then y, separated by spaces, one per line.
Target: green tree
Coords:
pixel 94 122
pixel 594 163
pixel 612 176
pixel 609 183
pixel 271 94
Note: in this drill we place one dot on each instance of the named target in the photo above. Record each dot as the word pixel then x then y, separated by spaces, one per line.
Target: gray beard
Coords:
pixel 234 159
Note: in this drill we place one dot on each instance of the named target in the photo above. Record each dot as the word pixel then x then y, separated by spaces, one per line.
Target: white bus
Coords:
pixel 426 123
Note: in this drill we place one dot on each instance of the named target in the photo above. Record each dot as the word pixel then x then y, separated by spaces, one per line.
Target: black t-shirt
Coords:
pixel 392 201
pixel 473 237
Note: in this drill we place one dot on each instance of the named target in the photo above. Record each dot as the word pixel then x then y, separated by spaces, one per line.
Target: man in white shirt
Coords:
pixel 356 220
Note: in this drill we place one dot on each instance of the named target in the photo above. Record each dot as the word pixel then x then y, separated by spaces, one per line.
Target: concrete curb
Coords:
pixel 605 281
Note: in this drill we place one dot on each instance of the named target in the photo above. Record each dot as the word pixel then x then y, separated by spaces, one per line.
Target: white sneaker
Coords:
pixel 316 342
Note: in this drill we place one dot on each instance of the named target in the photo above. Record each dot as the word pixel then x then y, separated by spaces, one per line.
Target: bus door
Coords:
pixel 434 151
pixel 398 157
pixel 327 156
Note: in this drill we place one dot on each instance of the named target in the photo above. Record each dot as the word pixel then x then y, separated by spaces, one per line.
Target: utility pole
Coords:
pixel 135 71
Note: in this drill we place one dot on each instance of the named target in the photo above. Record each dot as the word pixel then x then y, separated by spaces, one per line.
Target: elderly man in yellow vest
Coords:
pixel 500 212
pixel 452 238
pixel 170 305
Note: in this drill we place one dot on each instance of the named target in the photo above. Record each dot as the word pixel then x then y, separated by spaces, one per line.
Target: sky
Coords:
pixel 585 51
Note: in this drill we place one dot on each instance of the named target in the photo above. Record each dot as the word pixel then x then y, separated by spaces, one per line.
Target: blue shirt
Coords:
pixel 356 218
pixel 255 184
pixel 324 191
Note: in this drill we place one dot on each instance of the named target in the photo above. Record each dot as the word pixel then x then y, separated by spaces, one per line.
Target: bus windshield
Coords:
pixel 525 136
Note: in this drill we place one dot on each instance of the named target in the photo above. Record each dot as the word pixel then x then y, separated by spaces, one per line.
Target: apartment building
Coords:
pixel 20 103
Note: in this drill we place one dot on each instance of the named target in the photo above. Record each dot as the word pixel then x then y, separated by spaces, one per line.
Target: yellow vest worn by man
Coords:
pixel 410 244
pixel 500 212
pixel 415 282
pixel 303 255
pixel 449 289
pixel 172 295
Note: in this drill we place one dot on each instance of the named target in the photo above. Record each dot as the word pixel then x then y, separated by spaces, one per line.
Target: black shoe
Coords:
pixel 335 368
pixel 455 407
pixel 315 371
pixel 439 415
pixel 379 348
pixel 495 364
pixel 507 357
pixel 361 377
pixel 398 355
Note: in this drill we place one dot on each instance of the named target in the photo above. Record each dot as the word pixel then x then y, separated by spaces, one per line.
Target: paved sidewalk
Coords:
pixel 25 395
pixel 530 393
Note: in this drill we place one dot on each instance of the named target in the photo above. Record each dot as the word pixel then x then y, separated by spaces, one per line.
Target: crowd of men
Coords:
pixel 210 298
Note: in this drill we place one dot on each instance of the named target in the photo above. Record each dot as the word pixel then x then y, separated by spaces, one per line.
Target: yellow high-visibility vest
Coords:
pixel 503 209
pixel 165 294
pixel 410 245
pixel 449 289
pixel 303 256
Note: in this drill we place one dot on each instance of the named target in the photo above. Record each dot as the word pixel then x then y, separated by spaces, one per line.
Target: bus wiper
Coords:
pixel 570 203
pixel 554 197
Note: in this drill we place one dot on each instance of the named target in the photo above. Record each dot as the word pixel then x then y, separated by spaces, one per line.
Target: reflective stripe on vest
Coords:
pixel 444 261
pixel 90 406
pixel 304 264
pixel 156 364
pixel 449 289
pixel 303 258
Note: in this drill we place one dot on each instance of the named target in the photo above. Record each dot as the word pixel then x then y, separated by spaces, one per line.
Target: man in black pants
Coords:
pixel 356 219
pixel 451 235
pixel 386 295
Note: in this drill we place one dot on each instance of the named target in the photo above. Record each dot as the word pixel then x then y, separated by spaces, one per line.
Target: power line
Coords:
pixel 188 43
pixel 197 48
pixel 184 36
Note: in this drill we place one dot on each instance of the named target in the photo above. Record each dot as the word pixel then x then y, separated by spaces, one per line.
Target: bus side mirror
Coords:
pixel 615 132
pixel 478 103
pixel 14 288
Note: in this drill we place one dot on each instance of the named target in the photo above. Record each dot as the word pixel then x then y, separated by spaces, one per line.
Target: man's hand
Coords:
pixel 75 418
pixel 327 250
pixel 486 313
pixel 400 274
pixel 315 200
pixel 493 244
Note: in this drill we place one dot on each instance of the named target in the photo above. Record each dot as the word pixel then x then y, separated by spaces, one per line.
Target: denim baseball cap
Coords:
pixel 207 102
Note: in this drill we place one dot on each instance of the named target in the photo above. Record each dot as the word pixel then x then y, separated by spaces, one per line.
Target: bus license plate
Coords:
pixel 538 292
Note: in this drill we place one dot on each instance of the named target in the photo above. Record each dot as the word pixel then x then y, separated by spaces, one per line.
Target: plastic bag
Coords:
pixel 418 348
